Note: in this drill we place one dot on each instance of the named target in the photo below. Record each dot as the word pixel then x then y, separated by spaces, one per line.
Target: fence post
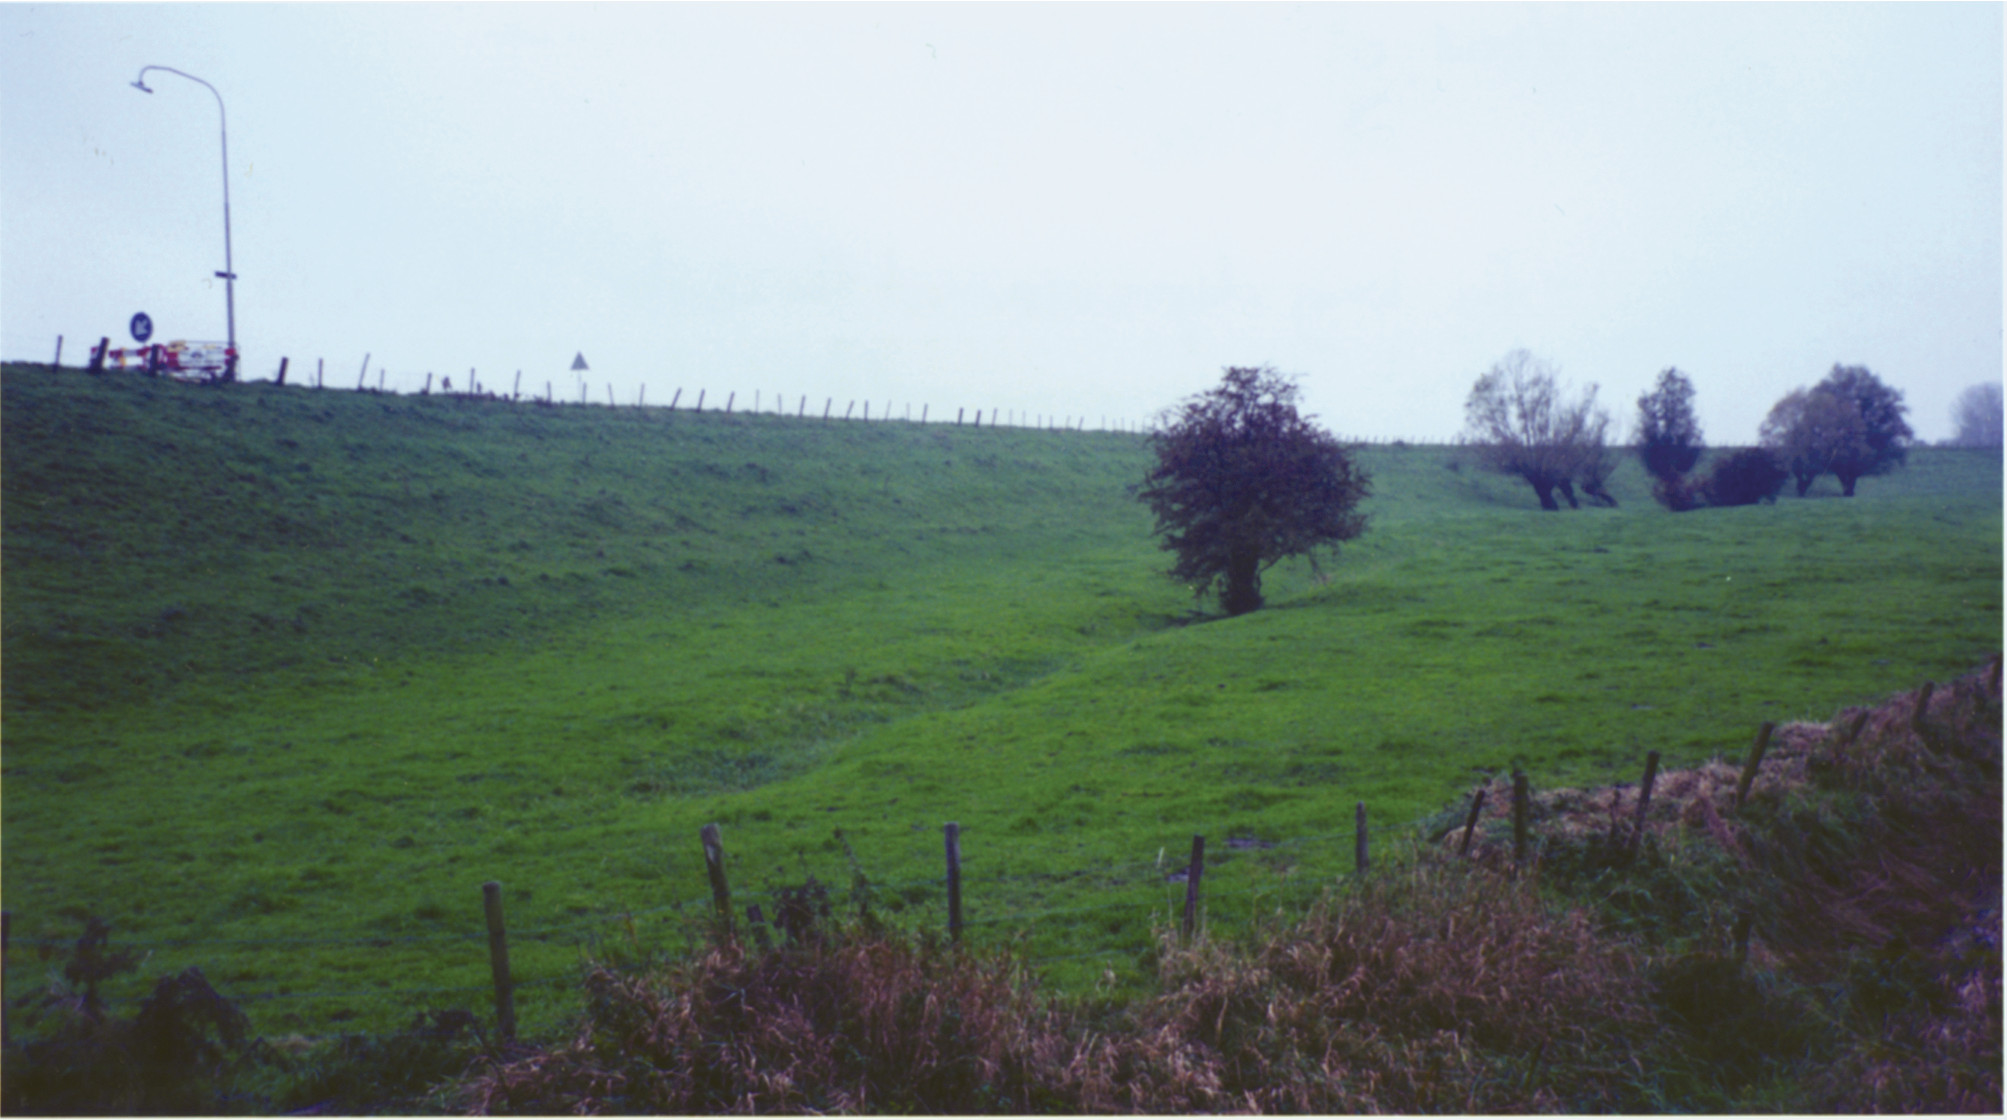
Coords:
pixel 321 371
pixel 362 373
pixel 498 959
pixel 923 414
pixel 953 833
pixel 1192 873
pixel 1922 706
pixel 1359 860
pixel 729 398
pixel 714 866
pixel 826 406
pixel 700 400
pixel 958 416
pixel 58 363
pixel 98 355
pixel 867 410
pixel 759 923
pixel 1644 799
pixel 674 399
pixel 283 362
pixel 1519 807
pixel 803 410
pixel 516 394
pixel 1755 760
pixel 1470 824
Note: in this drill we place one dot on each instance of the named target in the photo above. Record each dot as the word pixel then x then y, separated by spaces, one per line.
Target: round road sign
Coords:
pixel 142 327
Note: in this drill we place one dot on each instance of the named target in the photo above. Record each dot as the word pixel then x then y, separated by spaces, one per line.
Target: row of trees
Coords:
pixel 1523 422
pixel 1242 480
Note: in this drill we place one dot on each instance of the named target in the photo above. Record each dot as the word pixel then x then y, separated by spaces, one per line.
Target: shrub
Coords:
pixel 1676 492
pixel 1745 478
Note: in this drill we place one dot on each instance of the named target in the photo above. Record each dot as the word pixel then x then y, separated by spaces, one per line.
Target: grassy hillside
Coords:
pixel 288 673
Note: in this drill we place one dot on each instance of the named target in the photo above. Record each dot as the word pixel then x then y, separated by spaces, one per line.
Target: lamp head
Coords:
pixel 141 87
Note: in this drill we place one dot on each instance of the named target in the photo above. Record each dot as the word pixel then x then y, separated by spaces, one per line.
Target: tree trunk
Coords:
pixel 1546 491
pixel 1847 483
pixel 1568 492
pixel 1243 583
pixel 1805 483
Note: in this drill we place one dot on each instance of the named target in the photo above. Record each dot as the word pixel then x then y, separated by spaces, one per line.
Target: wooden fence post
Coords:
pixel 283 362
pixel 714 866
pixel 1519 808
pixel 867 410
pixel 1644 799
pixel 803 410
pixel 826 406
pixel 320 372
pixel 729 398
pixel 953 834
pixel 848 408
pixel 362 373
pixel 958 417
pixel 516 393
pixel 58 363
pixel 923 414
pixel 498 960
pixel 700 400
pixel 1192 874
pixel 674 399
pixel 1755 760
pixel 1359 860
pixel 1470 823
pixel 98 355
pixel 758 921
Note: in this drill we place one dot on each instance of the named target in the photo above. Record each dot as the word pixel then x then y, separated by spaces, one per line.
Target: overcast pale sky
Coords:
pixel 1082 210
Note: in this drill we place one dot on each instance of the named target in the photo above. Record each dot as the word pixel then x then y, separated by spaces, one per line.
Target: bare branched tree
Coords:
pixel 1977 416
pixel 1522 423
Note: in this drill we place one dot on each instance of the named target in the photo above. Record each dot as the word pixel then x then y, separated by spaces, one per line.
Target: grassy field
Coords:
pixel 289 674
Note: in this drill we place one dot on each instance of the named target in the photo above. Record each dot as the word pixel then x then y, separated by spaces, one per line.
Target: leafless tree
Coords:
pixel 1977 415
pixel 1523 423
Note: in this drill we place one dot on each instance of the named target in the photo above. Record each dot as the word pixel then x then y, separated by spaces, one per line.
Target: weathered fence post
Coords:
pixel 848 409
pixel 826 406
pixel 59 352
pixel 283 362
pixel 98 355
pixel 153 360
pixel 516 393
pixel 759 923
pixel 1192 874
pixel 1755 760
pixel 958 416
pixel 320 372
pixel 953 834
pixel 729 398
pixel 700 400
pixel 803 410
pixel 362 373
pixel 674 399
pixel 714 866
pixel 498 960
pixel 1470 823
pixel 923 414
pixel 1359 859
pixel 641 397
pixel 867 410
pixel 1519 808
pixel 1644 799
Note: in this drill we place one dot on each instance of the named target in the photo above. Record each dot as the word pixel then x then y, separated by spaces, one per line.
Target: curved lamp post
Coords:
pixel 229 274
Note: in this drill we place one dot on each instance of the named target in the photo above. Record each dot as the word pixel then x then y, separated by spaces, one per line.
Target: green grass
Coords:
pixel 289 674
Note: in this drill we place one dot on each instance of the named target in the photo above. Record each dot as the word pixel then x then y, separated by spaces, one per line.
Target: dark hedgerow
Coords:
pixel 1745 478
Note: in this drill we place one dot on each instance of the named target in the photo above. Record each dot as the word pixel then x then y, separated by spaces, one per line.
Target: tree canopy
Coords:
pixel 1242 481
pixel 1522 423
pixel 1668 435
pixel 1850 424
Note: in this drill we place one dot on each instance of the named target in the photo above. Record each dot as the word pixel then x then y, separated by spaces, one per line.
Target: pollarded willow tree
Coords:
pixel 1522 422
pixel 1242 481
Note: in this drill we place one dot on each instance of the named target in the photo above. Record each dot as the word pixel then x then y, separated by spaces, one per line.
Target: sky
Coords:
pixel 1070 210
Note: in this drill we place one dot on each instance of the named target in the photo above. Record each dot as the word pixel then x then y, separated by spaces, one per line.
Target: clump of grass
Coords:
pixel 1438 989
pixel 852 1020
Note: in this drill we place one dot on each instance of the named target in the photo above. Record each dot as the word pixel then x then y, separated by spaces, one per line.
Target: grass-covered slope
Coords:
pixel 288 673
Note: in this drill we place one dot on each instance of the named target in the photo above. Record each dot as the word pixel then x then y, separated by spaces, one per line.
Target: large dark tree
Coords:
pixel 1668 433
pixel 1242 480
pixel 1522 423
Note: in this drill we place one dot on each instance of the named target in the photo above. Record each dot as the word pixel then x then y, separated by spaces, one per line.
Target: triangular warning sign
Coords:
pixel 579 362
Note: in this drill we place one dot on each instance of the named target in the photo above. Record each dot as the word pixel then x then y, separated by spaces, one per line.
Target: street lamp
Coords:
pixel 229 274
